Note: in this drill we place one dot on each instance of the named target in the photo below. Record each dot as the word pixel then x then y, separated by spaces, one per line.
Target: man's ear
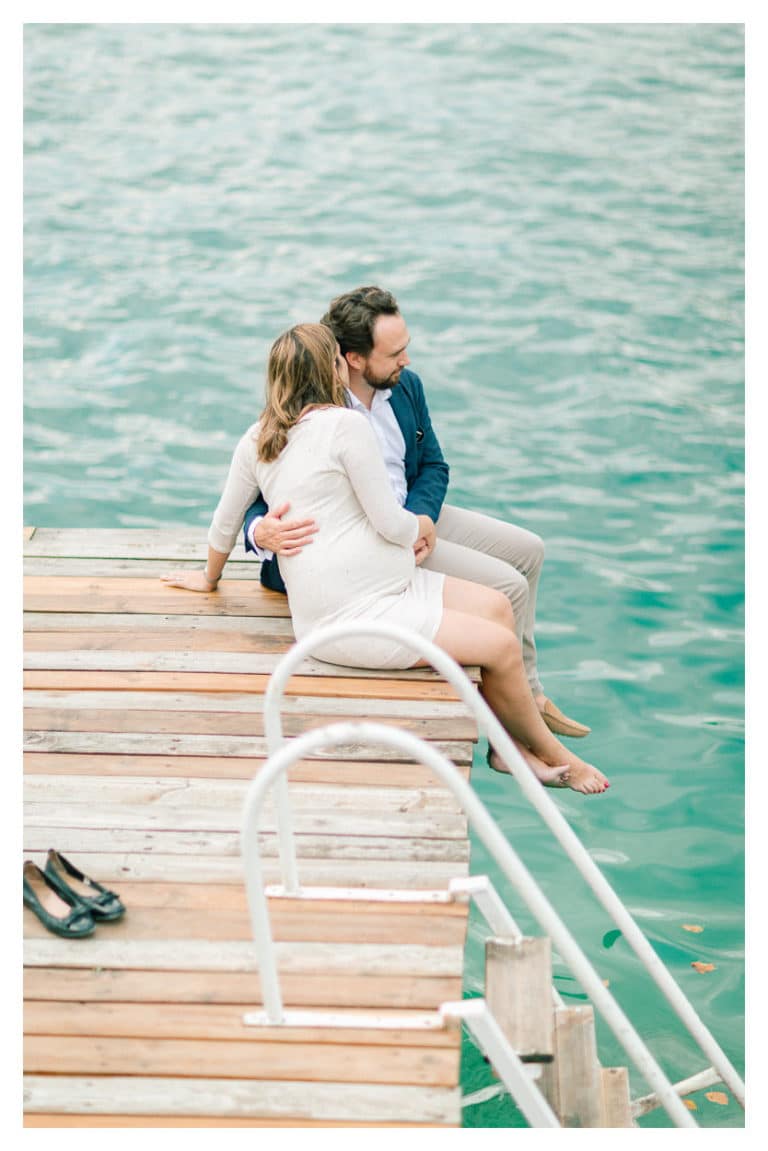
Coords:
pixel 355 361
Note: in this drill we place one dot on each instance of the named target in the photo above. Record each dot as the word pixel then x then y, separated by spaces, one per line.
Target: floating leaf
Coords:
pixel 690 1105
pixel 702 967
pixel 693 927
pixel 717 1097
pixel 610 938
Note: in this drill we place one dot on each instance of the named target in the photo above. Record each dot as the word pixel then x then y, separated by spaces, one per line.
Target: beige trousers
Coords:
pixel 476 547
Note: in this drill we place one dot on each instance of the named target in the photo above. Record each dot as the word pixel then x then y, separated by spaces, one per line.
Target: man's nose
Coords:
pixel 404 361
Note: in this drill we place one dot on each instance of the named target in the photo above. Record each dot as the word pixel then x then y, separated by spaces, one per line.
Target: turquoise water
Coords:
pixel 559 210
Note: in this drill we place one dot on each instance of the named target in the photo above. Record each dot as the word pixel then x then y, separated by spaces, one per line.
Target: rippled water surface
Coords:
pixel 558 209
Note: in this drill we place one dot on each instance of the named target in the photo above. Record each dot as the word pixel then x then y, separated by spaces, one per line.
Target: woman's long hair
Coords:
pixel 301 374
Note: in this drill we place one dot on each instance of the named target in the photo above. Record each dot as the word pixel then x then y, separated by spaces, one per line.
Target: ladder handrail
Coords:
pixel 537 795
pixel 496 844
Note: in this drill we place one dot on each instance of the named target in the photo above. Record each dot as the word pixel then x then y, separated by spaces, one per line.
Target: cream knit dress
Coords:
pixel 360 565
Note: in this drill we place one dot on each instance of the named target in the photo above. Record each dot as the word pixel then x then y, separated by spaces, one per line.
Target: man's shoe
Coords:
pixel 61 913
pixel 560 724
pixel 70 883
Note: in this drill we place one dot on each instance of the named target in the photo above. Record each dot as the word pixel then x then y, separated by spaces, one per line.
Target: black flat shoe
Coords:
pixel 64 914
pixel 68 881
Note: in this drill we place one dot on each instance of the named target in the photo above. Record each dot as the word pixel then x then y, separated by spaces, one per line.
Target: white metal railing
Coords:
pixel 281 757
pixel 497 845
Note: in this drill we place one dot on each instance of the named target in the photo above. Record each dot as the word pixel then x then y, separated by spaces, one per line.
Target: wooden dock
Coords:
pixel 143 727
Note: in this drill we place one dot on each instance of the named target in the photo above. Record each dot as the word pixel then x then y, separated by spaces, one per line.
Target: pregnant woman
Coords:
pixel 310 450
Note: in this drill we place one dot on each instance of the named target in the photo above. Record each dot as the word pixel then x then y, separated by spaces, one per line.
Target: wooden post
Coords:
pixel 617 1106
pixel 573 1082
pixel 518 991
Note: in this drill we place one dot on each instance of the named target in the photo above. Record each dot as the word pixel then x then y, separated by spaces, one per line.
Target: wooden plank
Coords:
pixel 141 1095
pixel 206 843
pixel 313 923
pixel 217 662
pixel 331 706
pixel 617 1106
pixel 148 743
pixel 60 1120
pixel 207 722
pixel 363 687
pixel 105 621
pixel 126 594
pixel 28 533
pixel 518 990
pixel 306 989
pixel 229 795
pixel 115 866
pixel 353 773
pixel 222 1023
pixel 171 542
pixel 573 1082
pixel 339 959
pixel 97 1055
pixel 97 566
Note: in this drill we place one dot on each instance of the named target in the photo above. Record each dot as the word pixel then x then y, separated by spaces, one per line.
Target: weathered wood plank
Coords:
pixel 141 1095
pixel 518 990
pixel 312 923
pixel 97 1055
pixel 53 1119
pixel 314 818
pixel 352 772
pixel 363 687
pixel 217 662
pixel 166 543
pixel 205 842
pixel 113 866
pixel 306 989
pixel 229 795
pixel 205 722
pixel 28 533
pixel 147 567
pixel 138 594
pixel 339 959
pixel 148 743
pixel 331 706
pixel 215 1022
pixel 137 621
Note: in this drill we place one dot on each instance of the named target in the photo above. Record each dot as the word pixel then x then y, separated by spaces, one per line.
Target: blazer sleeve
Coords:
pixel 258 509
pixel 427 488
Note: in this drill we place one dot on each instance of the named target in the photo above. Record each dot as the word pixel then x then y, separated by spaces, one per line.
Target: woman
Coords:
pixel 311 450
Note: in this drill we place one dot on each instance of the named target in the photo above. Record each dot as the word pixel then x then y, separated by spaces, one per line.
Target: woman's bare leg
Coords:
pixel 484 635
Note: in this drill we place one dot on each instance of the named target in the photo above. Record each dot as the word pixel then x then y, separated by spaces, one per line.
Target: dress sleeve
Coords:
pixel 360 455
pixel 240 490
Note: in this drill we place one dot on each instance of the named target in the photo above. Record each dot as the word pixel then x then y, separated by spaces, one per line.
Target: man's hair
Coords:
pixel 352 317
pixel 301 375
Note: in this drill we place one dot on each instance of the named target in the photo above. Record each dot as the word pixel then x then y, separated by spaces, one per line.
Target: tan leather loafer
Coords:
pixel 560 724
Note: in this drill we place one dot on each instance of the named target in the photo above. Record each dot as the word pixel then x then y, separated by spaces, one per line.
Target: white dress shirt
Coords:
pixel 390 437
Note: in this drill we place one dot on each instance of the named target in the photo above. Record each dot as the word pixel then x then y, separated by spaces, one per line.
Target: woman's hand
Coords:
pixel 426 540
pixel 191 580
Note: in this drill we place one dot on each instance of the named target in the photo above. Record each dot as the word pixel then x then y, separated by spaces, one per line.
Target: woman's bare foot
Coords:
pixel 576 773
pixel 584 777
pixel 549 776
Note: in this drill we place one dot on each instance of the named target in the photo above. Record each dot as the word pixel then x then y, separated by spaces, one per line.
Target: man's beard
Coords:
pixel 378 384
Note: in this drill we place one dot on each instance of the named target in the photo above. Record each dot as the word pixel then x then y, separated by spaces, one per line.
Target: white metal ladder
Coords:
pixel 474 1012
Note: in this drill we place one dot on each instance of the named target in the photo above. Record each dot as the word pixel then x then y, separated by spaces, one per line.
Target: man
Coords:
pixel 373 338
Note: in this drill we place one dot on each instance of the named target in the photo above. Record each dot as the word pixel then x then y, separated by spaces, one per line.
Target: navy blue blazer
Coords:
pixel 426 472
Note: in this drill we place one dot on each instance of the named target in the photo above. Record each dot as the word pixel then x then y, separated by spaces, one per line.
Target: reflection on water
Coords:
pixel 559 210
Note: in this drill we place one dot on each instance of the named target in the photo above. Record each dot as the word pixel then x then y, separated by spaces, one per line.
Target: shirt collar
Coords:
pixel 360 406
